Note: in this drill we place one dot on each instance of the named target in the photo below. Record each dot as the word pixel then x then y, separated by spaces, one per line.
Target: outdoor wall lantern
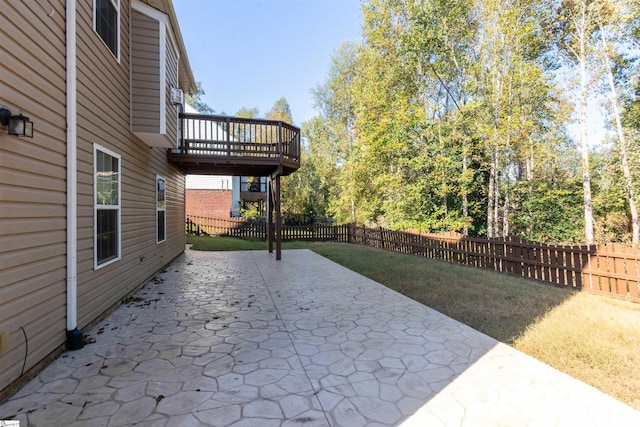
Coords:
pixel 18 125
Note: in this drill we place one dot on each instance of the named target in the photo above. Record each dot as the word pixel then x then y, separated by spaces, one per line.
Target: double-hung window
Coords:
pixel 106 22
pixel 161 210
pixel 107 167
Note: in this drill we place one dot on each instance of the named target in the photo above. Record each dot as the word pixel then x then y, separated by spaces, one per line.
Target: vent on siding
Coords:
pixel 177 96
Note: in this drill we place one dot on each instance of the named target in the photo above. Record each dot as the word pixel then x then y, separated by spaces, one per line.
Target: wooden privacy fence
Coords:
pixel 232 227
pixel 258 230
pixel 607 269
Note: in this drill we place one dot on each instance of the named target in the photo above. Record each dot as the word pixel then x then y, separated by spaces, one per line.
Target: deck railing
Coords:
pixel 222 136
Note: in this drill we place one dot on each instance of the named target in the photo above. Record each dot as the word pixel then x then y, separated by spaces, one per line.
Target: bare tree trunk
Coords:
pixel 586 175
pixel 490 196
pixel 353 211
pixel 530 161
pixel 623 148
pixel 505 214
pixel 496 193
pixel 465 203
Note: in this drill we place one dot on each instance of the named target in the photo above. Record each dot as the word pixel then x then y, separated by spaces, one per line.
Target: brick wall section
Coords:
pixel 210 203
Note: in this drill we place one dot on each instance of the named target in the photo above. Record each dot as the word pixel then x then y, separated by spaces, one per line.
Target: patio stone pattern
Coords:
pixel 239 339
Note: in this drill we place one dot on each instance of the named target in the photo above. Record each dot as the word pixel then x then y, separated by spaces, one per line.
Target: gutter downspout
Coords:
pixel 74 335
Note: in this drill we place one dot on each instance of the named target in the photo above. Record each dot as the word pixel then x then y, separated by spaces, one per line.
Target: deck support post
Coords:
pixel 269 229
pixel 274 224
pixel 278 233
pixel 240 146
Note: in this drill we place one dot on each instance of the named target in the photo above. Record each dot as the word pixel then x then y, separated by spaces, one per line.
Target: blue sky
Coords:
pixel 249 53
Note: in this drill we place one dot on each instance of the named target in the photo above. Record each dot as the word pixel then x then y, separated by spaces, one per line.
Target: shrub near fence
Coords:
pixel 607 269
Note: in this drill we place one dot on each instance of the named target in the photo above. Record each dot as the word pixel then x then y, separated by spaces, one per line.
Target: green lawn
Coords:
pixel 592 338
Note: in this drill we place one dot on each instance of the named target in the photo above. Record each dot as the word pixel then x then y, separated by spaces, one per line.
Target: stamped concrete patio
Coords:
pixel 238 339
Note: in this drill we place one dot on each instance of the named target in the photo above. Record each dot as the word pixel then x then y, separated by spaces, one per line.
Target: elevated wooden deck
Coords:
pixel 220 145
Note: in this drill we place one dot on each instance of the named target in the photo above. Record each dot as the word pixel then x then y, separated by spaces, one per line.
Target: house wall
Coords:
pixel 172 81
pixel 32 186
pixel 145 57
pixel 103 119
pixel 33 182
pixel 209 203
pixel 154 61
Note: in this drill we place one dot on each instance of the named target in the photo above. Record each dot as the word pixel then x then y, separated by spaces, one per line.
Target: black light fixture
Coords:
pixel 18 125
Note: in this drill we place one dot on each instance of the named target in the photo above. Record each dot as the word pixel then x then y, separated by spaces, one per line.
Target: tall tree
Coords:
pixel 613 19
pixel 386 116
pixel 280 111
pixel 441 39
pixel 335 99
pixel 248 113
pixel 516 95
pixel 308 191
pixel 295 190
pixel 577 19
pixel 447 117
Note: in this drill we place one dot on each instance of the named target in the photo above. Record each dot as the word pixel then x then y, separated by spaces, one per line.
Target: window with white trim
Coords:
pixel 106 22
pixel 161 210
pixel 107 206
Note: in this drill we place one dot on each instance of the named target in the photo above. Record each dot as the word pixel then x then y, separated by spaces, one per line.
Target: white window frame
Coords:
pixel 161 209
pixel 96 207
pixel 116 5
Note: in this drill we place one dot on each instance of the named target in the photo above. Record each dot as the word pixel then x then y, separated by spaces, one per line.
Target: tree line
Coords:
pixel 455 115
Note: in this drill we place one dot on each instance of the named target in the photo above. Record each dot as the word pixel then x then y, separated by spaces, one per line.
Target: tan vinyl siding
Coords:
pixel 187 81
pixel 172 81
pixel 33 184
pixel 145 73
pixel 32 187
pixel 107 124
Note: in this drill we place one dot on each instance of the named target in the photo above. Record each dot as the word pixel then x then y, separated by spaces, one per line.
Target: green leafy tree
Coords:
pixel 308 190
pixel 576 26
pixel 248 113
pixel 443 86
pixel 441 39
pixel 280 111
pixel 550 210
pixel 613 19
pixel 196 101
pixel 447 117
pixel 609 202
pixel 331 135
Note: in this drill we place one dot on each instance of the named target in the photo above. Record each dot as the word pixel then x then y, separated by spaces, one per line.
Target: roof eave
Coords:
pixel 187 81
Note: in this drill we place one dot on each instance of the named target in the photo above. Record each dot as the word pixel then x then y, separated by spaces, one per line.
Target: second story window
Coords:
pixel 106 22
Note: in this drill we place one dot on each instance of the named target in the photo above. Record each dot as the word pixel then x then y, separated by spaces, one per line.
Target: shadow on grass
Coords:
pixel 498 305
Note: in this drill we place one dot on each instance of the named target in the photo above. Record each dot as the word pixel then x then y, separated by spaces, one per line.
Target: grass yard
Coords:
pixel 592 338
